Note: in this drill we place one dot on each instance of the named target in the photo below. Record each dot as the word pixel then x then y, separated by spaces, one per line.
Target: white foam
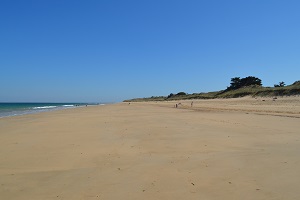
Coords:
pixel 44 107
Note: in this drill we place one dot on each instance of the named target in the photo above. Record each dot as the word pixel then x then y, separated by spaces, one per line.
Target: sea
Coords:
pixel 14 109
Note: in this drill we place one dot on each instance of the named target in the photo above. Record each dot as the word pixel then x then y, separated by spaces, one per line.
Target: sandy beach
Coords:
pixel 228 149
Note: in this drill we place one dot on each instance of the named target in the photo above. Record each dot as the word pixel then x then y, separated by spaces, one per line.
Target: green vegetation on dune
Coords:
pixel 249 86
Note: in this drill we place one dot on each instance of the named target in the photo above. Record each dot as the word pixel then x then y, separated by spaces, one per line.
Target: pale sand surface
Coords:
pixel 219 149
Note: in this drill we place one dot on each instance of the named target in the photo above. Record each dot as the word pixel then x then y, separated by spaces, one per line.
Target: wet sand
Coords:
pixel 218 149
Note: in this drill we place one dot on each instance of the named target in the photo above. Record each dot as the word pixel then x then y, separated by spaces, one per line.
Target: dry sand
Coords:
pixel 219 149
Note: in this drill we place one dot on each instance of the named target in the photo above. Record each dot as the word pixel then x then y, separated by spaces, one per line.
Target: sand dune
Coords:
pixel 218 149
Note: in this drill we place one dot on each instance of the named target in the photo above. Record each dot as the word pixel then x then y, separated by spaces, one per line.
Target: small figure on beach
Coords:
pixel 176 105
pixel 192 104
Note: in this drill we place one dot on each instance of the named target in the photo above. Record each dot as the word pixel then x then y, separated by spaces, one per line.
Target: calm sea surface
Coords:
pixel 13 109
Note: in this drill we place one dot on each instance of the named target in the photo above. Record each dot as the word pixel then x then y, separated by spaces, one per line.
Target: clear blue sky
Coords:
pixel 109 50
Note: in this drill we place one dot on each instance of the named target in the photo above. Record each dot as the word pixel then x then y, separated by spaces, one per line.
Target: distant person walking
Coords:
pixel 192 104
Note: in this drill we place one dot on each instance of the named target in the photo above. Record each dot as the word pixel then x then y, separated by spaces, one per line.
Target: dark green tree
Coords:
pixel 237 82
pixel 181 93
pixel 170 95
pixel 296 83
pixel 281 84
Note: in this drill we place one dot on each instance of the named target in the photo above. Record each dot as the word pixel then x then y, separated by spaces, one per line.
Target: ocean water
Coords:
pixel 13 109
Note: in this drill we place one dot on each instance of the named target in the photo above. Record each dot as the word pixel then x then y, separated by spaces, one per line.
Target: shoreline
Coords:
pixel 35 110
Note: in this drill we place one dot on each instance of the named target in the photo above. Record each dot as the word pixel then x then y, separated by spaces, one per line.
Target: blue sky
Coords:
pixel 109 50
